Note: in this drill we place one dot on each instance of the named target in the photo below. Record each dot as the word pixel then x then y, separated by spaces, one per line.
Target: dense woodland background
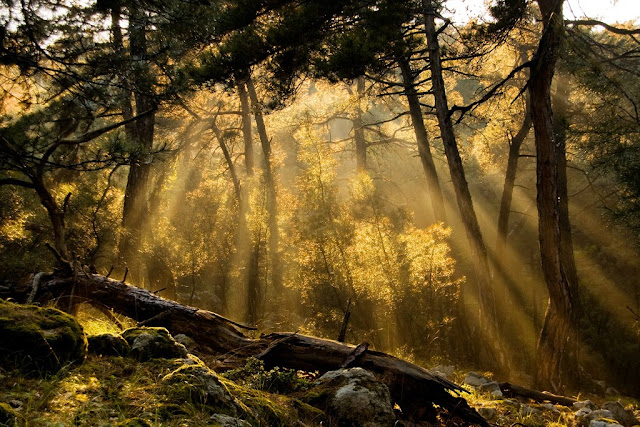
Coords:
pixel 470 194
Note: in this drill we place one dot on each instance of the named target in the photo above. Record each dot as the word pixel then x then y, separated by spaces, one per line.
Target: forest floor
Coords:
pixel 116 391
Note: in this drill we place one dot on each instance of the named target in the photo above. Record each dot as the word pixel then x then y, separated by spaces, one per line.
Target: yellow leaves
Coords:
pixel 362 187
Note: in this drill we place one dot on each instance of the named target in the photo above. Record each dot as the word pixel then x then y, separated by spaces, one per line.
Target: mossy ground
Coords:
pixel 117 391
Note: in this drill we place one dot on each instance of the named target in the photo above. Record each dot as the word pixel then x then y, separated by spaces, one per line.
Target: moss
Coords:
pixel 108 345
pixel 198 384
pixel 39 340
pixel 7 415
pixel 273 409
pixel 135 422
pixel 151 343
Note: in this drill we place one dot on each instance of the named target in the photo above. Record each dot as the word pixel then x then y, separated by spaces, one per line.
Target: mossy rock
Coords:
pixel 108 345
pixel 352 397
pixel 7 415
pixel 39 340
pixel 198 384
pixel 153 343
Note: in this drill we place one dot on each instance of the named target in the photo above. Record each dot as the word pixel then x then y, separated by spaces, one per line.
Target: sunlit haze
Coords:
pixel 609 11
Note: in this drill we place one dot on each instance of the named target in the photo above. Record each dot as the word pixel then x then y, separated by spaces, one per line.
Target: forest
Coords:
pixel 390 173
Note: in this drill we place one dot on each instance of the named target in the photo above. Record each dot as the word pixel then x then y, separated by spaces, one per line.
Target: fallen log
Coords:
pixel 512 390
pixel 413 388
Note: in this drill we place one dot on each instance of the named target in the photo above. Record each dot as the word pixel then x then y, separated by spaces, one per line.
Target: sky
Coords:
pixel 609 11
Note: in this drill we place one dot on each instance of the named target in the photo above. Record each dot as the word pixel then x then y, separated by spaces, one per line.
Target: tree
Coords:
pixel 558 333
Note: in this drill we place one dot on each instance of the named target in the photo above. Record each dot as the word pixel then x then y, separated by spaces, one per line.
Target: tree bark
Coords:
pixel 272 204
pixel 141 134
pixel 510 180
pixel 554 342
pixel 358 129
pixel 496 358
pixel 412 387
pixel 422 139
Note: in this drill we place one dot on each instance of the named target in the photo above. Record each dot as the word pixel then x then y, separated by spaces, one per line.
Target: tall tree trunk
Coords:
pixel 272 205
pixel 422 138
pixel 245 110
pixel 509 181
pixel 358 129
pixel 554 342
pixel 140 133
pixel 245 240
pixel 488 320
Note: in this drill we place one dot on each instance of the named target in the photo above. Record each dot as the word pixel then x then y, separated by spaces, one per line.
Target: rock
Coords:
pixel 585 415
pixel 602 423
pixel 623 416
pixel 153 343
pixel 353 397
pixel 186 341
pixel 227 421
pixel 39 340
pixel 490 387
pixel 475 380
pixel 610 391
pixel 199 384
pixel 585 404
pixel 8 416
pixel 551 407
pixel 487 413
pixel 527 410
pixel 108 345
pixel 445 371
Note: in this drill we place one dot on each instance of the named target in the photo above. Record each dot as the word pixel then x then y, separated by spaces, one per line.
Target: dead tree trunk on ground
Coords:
pixel 412 387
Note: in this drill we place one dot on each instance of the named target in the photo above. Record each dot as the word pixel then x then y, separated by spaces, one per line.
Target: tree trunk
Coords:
pixel 272 204
pixel 56 216
pixel 248 246
pixel 141 133
pixel 246 127
pixel 488 320
pixel 412 387
pixel 554 342
pixel 509 182
pixel 422 139
pixel 358 129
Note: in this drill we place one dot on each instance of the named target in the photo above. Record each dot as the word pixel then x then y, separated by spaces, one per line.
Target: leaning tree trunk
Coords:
pixel 509 182
pixel 488 319
pixel 413 388
pixel 554 342
pixel 422 139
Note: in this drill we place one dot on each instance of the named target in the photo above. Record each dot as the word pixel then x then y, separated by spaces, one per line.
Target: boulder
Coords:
pixel 602 423
pixel 445 371
pixel 227 421
pixel 353 397
pixel 621 415
pixel 475 380
pixel 585 416
pixel 585 404
pixel 39 340
pixel 108 345
pixel 491 387
pixel 186 341
pixel 153 343
pixel 198 384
